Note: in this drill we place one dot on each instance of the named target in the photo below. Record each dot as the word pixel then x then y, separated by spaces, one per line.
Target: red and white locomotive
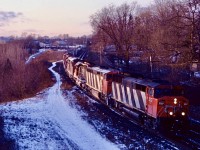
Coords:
pixel 154 104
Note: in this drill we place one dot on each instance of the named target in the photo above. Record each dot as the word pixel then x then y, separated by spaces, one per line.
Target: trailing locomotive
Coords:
pixel 154 104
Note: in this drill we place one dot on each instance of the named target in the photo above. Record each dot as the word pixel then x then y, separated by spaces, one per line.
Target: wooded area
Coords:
pixel 17 79
pixel 168 30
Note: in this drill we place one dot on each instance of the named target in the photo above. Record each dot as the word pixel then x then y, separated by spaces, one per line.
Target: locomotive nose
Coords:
pixel 175 106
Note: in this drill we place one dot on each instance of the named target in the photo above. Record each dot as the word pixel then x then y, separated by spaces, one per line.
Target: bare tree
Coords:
pixel 165 28
pixel 193 17
pixel 117 24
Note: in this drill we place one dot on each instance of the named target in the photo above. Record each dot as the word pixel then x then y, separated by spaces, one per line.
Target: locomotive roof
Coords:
pixel 78 63
pixel 140 81
pixel 72 58
pixel 98 69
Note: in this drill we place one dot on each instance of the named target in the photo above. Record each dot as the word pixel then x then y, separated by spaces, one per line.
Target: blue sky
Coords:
pixel 51 17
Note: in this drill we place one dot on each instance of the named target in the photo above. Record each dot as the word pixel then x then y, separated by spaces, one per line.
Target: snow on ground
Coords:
pixel 47 121
pixel 35 55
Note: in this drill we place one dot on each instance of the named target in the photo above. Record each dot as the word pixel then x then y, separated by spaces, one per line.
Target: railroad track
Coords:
pixel 182 143
pixel 83 55
pixel 192 137
pixel 187 140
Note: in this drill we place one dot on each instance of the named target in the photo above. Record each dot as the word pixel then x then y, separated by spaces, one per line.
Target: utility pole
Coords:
pixel 151 65
pixel 100 55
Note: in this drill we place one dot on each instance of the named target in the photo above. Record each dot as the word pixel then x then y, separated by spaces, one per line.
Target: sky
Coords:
pixel 52 17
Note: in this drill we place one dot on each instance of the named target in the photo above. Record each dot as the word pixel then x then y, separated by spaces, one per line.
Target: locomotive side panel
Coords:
pixel 107 82
pixel 100 80
pixel 105 88
pixel 130 95
pixel 152 103
pixel 93 80
pixel 70 66
pixel 152 106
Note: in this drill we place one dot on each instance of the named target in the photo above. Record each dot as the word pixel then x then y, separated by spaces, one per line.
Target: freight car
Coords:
pixel 154 104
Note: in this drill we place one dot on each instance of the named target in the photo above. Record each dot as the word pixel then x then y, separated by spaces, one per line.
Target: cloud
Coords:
pixel 7 16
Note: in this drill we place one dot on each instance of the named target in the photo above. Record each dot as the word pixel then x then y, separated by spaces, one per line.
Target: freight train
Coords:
pixel 156 105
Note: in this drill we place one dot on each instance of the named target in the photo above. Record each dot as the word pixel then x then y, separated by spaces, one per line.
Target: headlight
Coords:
pixel 171 113
pixel 175 100
pixel 183 113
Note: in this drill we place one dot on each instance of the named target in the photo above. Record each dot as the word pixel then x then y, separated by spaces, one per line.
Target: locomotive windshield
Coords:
pixel 160 92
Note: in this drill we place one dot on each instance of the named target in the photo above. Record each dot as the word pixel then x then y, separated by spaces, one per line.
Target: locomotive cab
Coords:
pixel 167 104
pixel 107 82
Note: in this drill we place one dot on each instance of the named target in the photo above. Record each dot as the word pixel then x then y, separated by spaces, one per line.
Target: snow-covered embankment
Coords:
pixel 47 121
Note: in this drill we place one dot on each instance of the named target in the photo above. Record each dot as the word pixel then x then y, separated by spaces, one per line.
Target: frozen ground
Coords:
pixel 48 122
pixel 71 120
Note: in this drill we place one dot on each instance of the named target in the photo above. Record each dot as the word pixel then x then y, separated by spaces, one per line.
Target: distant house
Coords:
pixel 59 43
pixel 110 49
pixel 195 68
pixel 43 44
